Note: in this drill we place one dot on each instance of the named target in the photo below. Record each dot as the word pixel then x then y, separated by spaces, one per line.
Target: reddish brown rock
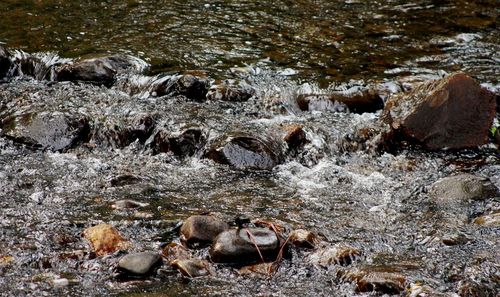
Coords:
pixel 294 136
pixel 105 239
pixel 453 112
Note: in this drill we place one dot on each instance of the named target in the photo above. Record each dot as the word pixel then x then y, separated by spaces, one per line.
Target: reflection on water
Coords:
pixel 326 40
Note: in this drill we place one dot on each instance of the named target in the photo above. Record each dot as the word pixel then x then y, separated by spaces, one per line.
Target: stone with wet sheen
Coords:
pixel 202 229
pixel 231 90
pixel 97 71
pixel 247 152
pixel 5 62
pixel 191 267
pixel 183 144
pixel 303 238
pixel 55 131
pixel 384 280
pixel 139 264
pixel 245 245
pixel 189 86
pixel 449 113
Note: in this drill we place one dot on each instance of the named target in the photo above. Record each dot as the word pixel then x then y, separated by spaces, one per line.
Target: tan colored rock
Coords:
pixel 335 255
pixel 303 238
pixel 491 220
pixel 453 112
pixel 191 267
pixel 105 239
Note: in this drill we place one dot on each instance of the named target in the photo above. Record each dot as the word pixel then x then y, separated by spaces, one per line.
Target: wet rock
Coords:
pixel 191 267
pixel 337 255
pixel 244 151
pixel 356 101
pixel 245 245
pixel 138 129
pixel 453 112
pixel 202 229
pixel 303 238
pixel 174 251
pixel 124 179
pixel 470 288
pixel 294 136
pixel 490 220
pixel 461 189
pixel 231 90
pixel 5 62
pixel 105 239
pixel 189 86
pixel 259 270
pixel 456 238
pixel 99 71
pixel 185 144
pixel 55 131
pixel 377 279
pixel 139 264
pixel 127 204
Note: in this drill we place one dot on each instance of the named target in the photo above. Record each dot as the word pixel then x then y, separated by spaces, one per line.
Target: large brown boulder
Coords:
pixel 453 112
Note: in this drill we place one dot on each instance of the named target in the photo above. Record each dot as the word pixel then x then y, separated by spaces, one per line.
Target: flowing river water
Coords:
pixel 377 202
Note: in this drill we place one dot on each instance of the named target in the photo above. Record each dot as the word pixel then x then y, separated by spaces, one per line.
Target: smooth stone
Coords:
pixel 97 71
pixel 55 131
pixel 191 267
pixel 335 255
pixel 462 188
pixel 243 246
pixel 201 229
pixel 105 239
pixel 139 264
pixel 449 113
pixel 303 238
pixel 244 151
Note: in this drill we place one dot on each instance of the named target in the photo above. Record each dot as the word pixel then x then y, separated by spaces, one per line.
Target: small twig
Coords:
pixel 252 238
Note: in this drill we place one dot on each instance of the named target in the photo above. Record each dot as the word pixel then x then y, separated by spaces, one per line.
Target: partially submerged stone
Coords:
pixel 139 264
pixel 335 255
pixel 189 86
pixel 184 144
pixel 97 71
pixel 449 113
pixel 105 239
pixel 173 251
pixel 191 267
pixel 246 245
pixel 5 62
pixel 294 136
pixel 303 238
pixel 462 188
pixel 489 220
pixel 127 204
pixel 244 151
pixel 230 90
pixel 202 229
pixel 376 279
pixel 258 270
pixel 356 102
pixel 56 131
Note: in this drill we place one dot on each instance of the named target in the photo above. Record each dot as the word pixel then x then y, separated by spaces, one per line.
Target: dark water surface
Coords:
pixel 378 203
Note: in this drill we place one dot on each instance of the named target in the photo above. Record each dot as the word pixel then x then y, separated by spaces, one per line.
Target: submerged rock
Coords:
pixel 259 270
pixel 55 131
pixel 490 220
pixel 202 229
pixel 461 189
pixel 303 238
pixel 139 128
pixel 139 264
pixel 231 90
pixel 105 239
pixel 337 255
pixel 453 112
pixel 189 86
pixel 182 145
pixel 191 267
pixel 245 245
pixel 357 102
pixel 244 151
pixel 376 279
pixel 5 62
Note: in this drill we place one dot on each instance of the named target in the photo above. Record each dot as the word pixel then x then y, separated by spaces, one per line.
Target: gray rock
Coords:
pixel 244 245
pixel 139 264
pixel 244 151
pixel 461 189
pixel 202 229
pixel 55 131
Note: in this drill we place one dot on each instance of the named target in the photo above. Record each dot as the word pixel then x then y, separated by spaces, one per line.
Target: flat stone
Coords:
pixel 191 267
pixel 139 264
pixel 245 245
pixel 462 188
pixel 449 113
pixel 105 239
pixel 201 229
